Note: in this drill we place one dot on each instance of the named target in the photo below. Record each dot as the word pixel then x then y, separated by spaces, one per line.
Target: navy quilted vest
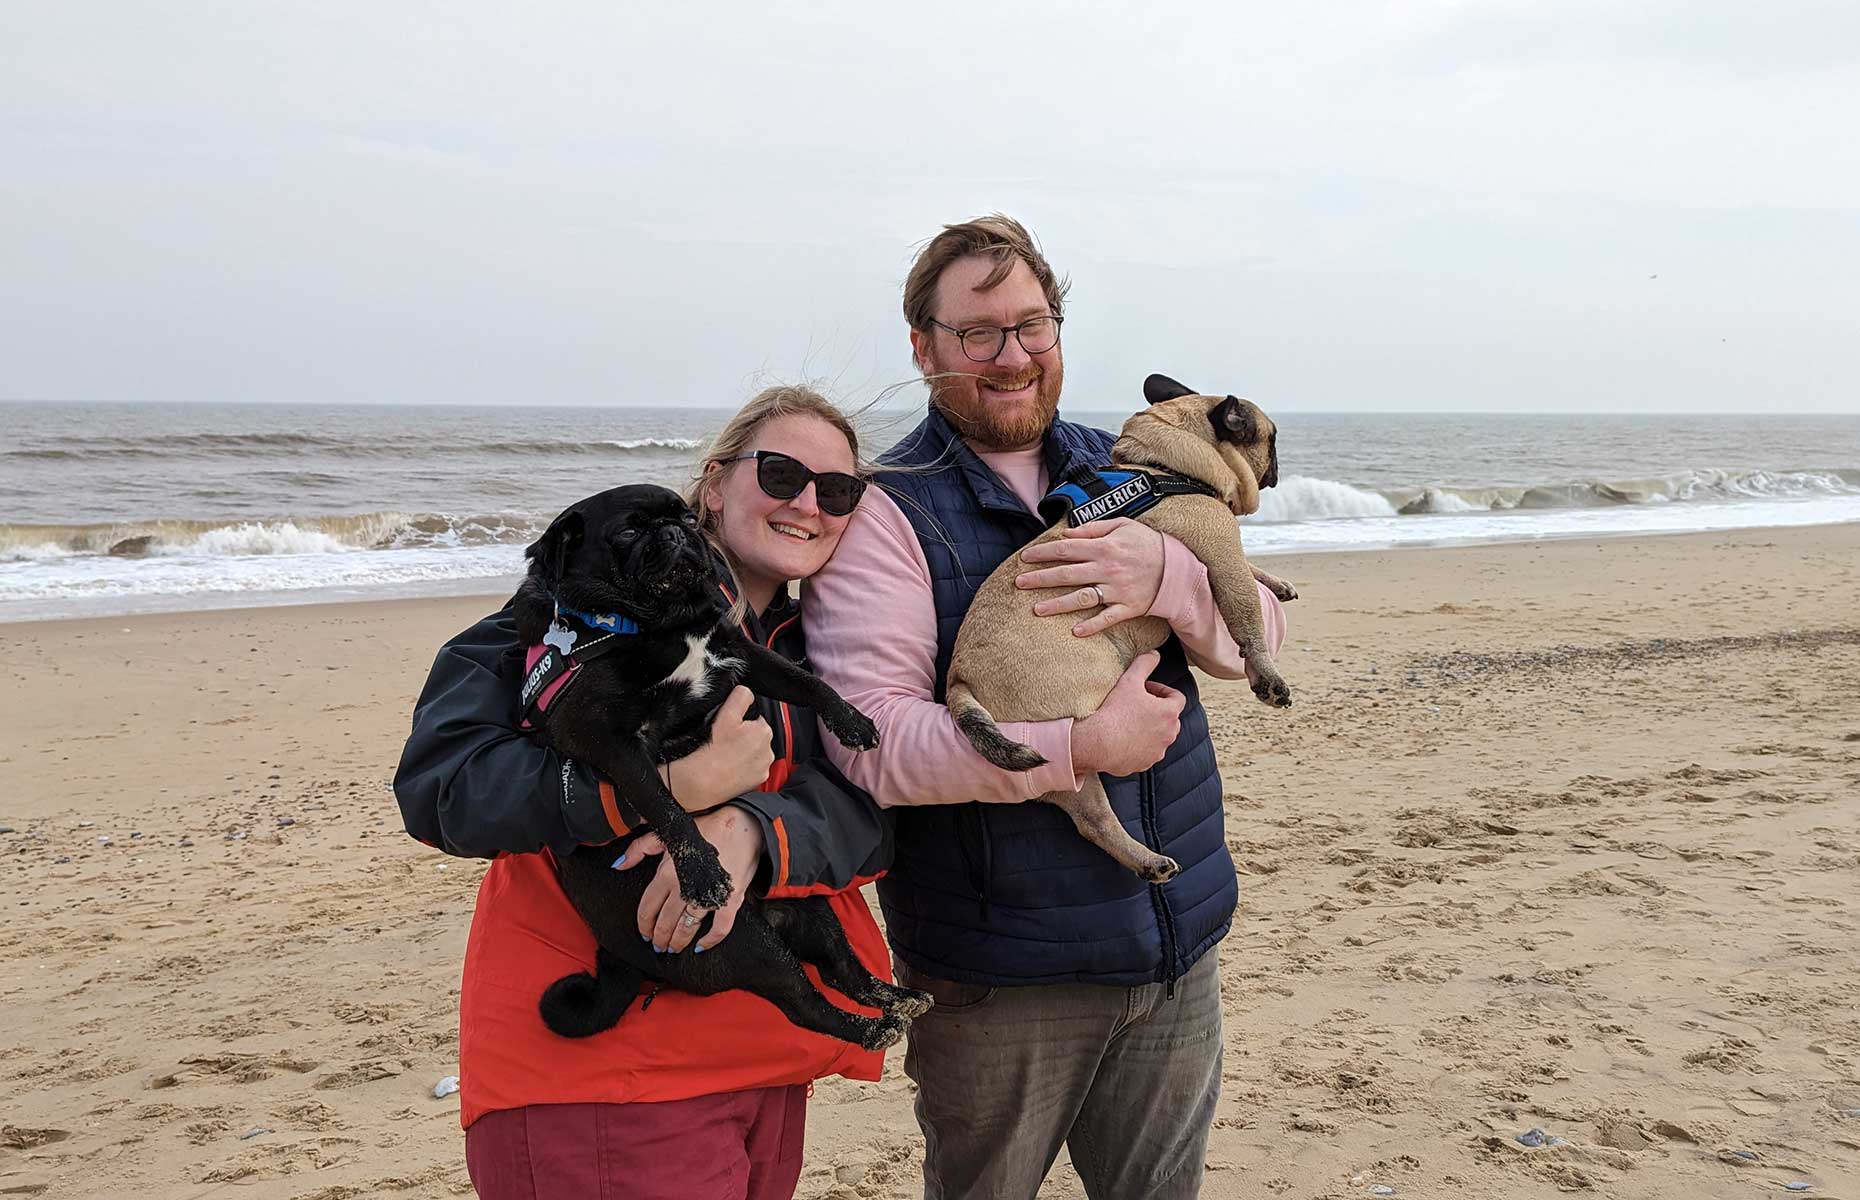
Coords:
pixel 1008 894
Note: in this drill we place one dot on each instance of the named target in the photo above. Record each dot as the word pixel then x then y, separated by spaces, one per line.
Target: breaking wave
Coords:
pixel 1299 498
pixel 279 536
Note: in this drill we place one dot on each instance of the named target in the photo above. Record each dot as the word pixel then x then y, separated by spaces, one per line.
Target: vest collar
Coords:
pixel 936 441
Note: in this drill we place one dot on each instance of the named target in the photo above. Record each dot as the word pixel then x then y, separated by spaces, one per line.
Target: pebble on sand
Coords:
pixel 445 1087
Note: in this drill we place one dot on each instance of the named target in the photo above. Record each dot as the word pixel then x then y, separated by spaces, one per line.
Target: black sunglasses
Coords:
pixel 783 478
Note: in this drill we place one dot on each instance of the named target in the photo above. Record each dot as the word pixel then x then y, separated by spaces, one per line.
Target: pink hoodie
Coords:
pixel 870 619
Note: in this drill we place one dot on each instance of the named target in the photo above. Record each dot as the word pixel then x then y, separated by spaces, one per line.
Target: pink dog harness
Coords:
pixel 551 665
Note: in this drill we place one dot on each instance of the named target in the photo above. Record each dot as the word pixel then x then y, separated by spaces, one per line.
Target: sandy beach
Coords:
pixel 1558 836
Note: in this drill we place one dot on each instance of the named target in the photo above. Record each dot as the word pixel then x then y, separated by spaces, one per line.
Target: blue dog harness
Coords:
pixel 1088 494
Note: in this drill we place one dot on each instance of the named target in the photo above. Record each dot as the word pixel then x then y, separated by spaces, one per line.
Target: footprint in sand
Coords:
pixel 1730 1055
pixel 21 1137
pixel 238 1068
pixel 359 1073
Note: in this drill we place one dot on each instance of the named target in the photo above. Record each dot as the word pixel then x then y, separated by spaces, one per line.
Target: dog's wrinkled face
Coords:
pixel 1237 430
pixel 633 549
pixel 1242 429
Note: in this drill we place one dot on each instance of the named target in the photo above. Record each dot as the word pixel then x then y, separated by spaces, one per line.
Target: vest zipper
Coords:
pixel 1165 919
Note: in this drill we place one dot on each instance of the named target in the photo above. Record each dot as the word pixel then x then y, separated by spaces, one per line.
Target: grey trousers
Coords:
pixel 1125 1078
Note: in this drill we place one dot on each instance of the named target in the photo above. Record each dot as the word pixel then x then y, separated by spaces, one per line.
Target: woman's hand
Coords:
pixel 735 760
pixel 662 911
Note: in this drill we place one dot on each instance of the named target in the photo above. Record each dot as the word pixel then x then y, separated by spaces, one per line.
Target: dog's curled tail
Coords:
pixel 582 1005
pixel 980 728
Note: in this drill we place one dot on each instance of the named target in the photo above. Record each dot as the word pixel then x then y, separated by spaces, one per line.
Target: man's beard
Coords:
pixel 988 425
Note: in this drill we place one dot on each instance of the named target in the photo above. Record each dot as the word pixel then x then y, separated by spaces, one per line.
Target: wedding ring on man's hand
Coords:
pixel 1097 595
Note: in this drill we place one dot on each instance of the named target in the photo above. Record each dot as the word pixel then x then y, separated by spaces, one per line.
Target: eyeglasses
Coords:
pixel 783 478
pixel 983 343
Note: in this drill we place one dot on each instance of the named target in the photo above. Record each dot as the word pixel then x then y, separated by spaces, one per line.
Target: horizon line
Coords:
pixel 855 409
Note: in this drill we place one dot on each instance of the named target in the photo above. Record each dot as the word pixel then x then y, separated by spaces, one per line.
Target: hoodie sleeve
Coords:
pixel 470 782
pixel 821 834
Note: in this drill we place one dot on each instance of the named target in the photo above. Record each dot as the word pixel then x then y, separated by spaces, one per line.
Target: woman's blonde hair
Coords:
pixel 769 404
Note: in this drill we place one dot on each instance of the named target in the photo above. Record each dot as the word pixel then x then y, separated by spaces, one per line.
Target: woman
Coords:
pixel 688 1096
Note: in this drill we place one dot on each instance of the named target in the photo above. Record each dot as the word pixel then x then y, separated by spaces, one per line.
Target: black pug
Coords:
pixel 625 596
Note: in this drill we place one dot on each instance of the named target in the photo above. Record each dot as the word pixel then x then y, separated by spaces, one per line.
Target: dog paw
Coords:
pixel 702 881
pixel 1283 590
pixel 1274 691
pixel 884 1033
pixel 853 728
pixel 1161 871
pixel 909 1002
pixel 706 893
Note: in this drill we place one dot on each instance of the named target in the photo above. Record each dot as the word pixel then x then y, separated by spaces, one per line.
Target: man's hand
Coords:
pixel 1118 563
pixel 1133 728
pixel 735 760
pixel 663 912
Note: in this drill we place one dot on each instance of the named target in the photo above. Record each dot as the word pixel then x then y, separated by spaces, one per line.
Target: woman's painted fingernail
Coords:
pixel 698 950
pixel 619 862
pixel 658 949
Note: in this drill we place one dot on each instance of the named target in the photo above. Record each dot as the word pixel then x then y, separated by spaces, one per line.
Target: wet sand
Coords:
pixel 1559 836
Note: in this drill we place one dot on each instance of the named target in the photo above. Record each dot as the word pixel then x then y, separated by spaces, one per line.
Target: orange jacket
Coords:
pixel 525 935
pixel 470 782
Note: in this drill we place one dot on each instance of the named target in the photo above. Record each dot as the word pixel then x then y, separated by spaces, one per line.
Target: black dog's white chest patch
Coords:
pixel 699 669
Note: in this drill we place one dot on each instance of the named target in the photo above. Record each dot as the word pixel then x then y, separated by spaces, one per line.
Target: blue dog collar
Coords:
pixel 611 622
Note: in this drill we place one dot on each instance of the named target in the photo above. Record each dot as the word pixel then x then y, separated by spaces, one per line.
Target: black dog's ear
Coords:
pixel 1233 420
pixel 1158 388
pixel 551 551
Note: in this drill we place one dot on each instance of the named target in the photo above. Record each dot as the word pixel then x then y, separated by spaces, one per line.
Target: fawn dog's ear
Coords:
pixel 1158 388
pixel 551 551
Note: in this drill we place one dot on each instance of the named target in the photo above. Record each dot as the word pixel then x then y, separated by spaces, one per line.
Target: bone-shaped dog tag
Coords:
pixel 562 638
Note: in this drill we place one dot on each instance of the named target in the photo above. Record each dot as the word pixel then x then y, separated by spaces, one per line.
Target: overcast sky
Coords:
pixel 1414 205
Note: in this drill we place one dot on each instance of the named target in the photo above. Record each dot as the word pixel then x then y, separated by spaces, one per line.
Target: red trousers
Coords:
pixel 731 1146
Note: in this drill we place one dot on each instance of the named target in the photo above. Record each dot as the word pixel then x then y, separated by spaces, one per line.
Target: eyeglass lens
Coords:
pixel 783 478
pixel 983 343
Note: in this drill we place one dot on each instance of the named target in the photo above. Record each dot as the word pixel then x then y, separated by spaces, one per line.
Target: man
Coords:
pixel 1076 1004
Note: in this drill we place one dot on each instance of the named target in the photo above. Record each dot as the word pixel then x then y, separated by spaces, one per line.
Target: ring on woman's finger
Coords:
pixel 688 920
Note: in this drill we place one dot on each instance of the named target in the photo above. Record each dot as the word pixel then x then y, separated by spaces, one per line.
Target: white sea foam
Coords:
pixel 654 443
pixel 103 584
pixel 1298 498
pixel 1377 533
pixel 258 538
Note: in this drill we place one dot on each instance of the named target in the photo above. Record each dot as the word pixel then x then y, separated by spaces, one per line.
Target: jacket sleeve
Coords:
pixel 470 782
pixel 820 832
